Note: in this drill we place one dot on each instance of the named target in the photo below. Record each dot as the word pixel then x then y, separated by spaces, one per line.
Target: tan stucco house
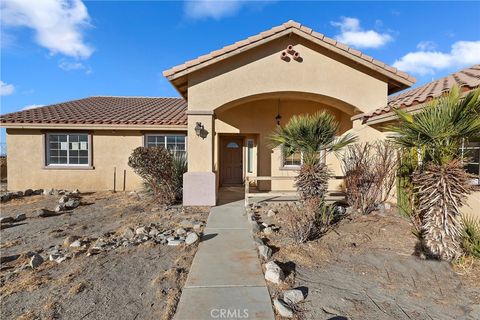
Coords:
pixel 232 99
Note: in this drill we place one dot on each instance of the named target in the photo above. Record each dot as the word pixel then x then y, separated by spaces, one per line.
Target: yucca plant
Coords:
pixel 440 180
pixel 309 134
pixel 471 236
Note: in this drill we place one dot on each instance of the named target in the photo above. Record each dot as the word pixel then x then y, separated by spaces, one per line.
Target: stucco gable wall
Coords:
pixel 260 70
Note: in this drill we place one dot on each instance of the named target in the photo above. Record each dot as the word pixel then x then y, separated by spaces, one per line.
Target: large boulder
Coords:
pixel 265 252
pixel 72 203
pixel 20 217
pixel 293 296
pixel 191 238
pixel 274 273
pixel 28 192
pixel 36 260
pixel 43 213
pixel 282 308
pixel 6 219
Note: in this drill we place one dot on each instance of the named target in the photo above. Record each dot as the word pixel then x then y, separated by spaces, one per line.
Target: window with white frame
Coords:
pixel 295 159
pixel 68 149
pixel 471 152
pixel 175 143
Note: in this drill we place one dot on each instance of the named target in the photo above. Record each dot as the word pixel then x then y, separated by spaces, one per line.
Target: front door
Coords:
pixel 231 161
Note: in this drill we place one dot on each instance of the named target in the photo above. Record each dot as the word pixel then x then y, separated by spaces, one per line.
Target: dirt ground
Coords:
pixel 365 269
pixel 134 282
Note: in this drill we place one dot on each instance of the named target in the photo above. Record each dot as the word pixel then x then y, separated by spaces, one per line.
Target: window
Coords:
pixel 295 159
pixel 471 151
pixel 174 143
pixel 68 149
pixel 250 155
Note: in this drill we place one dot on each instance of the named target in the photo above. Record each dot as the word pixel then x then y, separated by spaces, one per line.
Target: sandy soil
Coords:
pixel 365 269
pixel 137 282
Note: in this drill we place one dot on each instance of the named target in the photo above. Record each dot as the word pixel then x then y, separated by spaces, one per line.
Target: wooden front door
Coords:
pixel 231 161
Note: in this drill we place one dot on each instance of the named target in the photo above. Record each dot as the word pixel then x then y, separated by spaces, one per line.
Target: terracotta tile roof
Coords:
pixel 105 110
pixel 467 79
pixel 278 29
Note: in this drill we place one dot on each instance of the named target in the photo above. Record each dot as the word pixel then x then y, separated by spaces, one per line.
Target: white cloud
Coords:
pixel 73 65
pixel 58 24
pixel 212 8
pixel 32 106
pixel 427 62
pixel 353 34
pixel 426 46
pixel 6 89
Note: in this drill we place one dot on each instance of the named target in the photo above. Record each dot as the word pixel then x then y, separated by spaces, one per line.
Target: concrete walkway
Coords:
pixel 226 280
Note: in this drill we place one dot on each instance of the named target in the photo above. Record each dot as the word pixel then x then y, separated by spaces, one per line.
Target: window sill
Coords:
pixel 68 167
pixel 293 168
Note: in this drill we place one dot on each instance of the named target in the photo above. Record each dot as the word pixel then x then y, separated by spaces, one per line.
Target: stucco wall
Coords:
pixel 109 149
pixel 257 119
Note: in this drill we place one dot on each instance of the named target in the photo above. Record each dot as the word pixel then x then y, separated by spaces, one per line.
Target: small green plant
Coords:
pixel 471 236
pixel 179 168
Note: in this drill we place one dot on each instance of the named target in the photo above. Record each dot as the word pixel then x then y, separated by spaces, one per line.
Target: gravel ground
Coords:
pixel 365 269
pixel 137 282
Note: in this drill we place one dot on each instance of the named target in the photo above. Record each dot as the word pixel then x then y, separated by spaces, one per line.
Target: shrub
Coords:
pixel 471 236
pixel 309 220
pixel 179 168
pixel 155 165
pixel 369 170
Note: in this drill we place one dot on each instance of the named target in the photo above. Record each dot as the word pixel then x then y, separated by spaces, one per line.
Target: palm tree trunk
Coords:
pixel 441 191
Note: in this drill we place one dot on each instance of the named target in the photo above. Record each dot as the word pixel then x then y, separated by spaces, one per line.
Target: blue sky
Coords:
pixel 58 50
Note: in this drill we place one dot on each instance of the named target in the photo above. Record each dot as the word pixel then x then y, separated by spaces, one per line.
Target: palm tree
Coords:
pixel 309 134
pixel 440 180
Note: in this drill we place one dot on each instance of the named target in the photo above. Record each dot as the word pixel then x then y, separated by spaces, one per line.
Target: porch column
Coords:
pixel 199 183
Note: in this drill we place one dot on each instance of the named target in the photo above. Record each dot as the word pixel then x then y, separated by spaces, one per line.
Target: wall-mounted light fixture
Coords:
pixel 278 117
pixel 200 130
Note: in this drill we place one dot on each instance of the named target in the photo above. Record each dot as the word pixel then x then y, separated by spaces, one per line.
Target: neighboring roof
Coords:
pixel 105 111
pixel 467 79
pixel 289 27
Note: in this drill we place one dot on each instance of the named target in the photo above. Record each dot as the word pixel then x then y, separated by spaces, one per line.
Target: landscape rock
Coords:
pixel 282 308
pixel 69 240
pixel 72 203
pixel 293 296
pixel 258 241
pixel 180 231
pixel 128 233
pixel 274 273
pixel 141 231
pixel 268 230
pixel 99 244
pixel 265 252
pixel 28 192
pixel 75 192
pixel 20 217
pixel 197 226
pixel 44 213
pixel 19 194
pixel 6 219
pixel 5 197
pixel 36 260
pixel 47 192
pixel 76 244
pixel 174 242
pixel 59 208
pixel 264 224
pixel 153 232
pixel 63 199
pixel 191 238
pixel 271 213
pixel 58 257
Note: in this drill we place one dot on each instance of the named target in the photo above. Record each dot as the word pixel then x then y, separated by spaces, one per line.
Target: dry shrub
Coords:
pixel 309 220
pixel 369 170
pixel 155 166
pixel 76 289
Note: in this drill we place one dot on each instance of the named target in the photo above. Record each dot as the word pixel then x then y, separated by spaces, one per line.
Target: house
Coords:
pixel 232 99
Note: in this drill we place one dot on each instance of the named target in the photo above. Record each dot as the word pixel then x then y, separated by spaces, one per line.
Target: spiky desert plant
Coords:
pixel 471 236
pixel 310 134
pixel 440 181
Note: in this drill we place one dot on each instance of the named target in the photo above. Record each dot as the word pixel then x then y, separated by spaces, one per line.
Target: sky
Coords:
pixel 60 50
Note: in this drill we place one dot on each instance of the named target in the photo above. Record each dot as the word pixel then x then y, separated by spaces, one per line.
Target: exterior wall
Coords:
pixel 235 91
pixel 109 149
pixel 472 205
pixel 256 119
